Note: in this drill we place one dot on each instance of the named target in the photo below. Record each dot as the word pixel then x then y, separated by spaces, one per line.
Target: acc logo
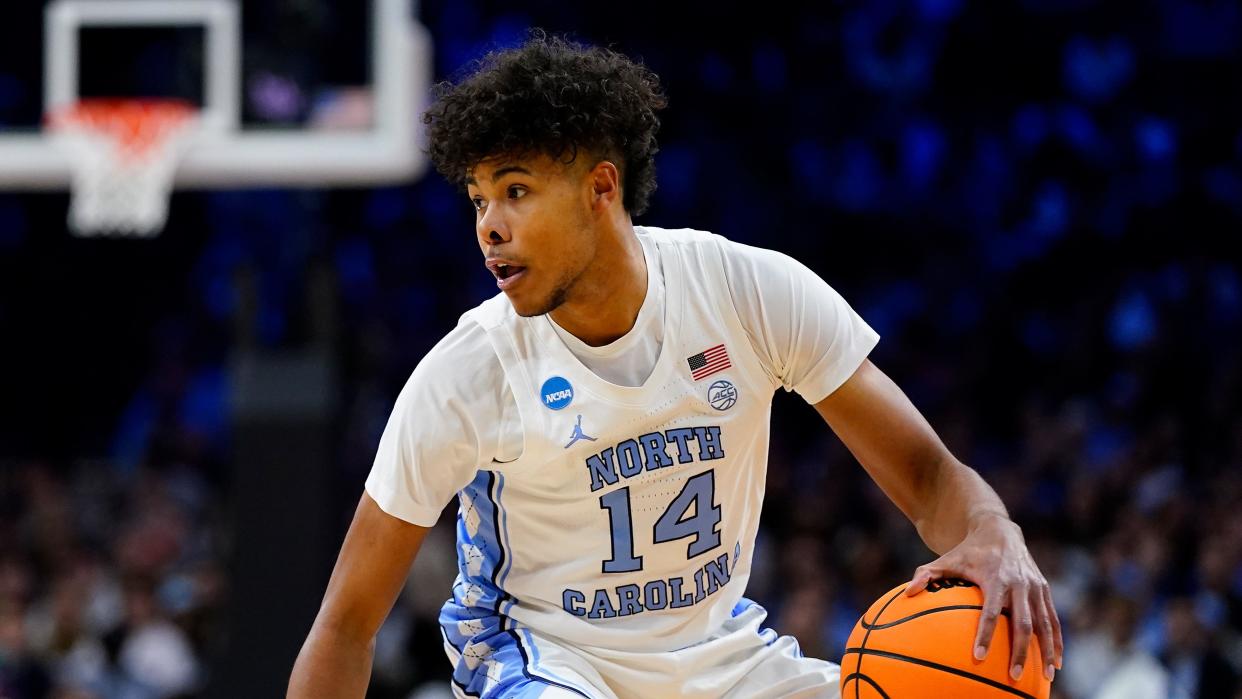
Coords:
pixel 556 393
pixel 722 395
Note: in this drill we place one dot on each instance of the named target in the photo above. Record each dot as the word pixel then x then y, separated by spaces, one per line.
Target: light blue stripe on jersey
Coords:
pixel 503 664
pixel 475 622
pixel 471 615
pixel 742 605
pixel 768 636
pixel 544 673
pixel 455 655
pixel 480 555
pixel 502 670
pixel 472 621
pixel 508 550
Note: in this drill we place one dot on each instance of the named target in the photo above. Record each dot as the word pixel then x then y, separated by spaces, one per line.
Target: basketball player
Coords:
pixel 603 424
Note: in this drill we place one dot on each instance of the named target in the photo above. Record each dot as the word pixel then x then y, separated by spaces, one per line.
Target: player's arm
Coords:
pixel 811 341
pixel 956 513
pixel 335 661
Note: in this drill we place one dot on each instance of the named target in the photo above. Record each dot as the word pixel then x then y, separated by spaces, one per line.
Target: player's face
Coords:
pixel 532 219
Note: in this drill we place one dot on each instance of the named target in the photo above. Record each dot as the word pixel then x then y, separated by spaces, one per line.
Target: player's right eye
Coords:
pixel 477 202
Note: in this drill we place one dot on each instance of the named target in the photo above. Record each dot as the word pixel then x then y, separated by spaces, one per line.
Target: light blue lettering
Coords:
pixel 682 436
pixel 628 596
pixel 602 468
pixel 709 443
pixel 655 594
pixel 571 599
pixel 677 598
pixel 629 458
pixel 653 451
pixel 717 573
pixel 602 608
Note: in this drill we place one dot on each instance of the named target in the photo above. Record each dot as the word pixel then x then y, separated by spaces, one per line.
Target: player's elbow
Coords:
pixel 345 627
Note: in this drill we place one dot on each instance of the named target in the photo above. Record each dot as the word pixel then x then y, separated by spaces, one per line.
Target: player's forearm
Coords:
pixel 957 500
pixel 332 665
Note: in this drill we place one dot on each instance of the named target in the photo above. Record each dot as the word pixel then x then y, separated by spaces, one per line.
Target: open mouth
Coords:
pixel 506 274
pixel 506 271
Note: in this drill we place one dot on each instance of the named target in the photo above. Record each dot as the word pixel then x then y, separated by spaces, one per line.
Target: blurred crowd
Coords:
pixel 1037 205
pixel 109 585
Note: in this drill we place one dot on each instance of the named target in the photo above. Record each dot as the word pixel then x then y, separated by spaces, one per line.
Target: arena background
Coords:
pixel 1037 204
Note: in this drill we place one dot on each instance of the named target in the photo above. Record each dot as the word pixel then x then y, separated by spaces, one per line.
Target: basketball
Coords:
pixel 922 646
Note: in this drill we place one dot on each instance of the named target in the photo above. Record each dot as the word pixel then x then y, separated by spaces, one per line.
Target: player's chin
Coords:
pixel 528 303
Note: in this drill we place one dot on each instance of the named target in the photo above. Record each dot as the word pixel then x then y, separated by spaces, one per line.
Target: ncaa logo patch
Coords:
pixel 722 395
pixel 556 393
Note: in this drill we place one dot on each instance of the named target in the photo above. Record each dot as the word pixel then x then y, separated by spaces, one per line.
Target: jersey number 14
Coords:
pixel 674 524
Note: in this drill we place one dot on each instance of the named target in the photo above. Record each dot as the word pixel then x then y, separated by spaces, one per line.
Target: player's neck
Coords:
pixel 606 300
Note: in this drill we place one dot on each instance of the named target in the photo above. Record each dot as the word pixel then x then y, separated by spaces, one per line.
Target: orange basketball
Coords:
pixel 923 646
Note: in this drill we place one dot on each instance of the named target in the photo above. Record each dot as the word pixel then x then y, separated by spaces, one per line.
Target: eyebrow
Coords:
pixel 501 173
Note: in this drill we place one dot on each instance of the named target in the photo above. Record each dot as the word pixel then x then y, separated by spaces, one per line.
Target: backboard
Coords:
pixel 292 92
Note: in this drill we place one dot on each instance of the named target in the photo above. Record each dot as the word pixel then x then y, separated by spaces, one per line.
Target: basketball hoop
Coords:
pixel 124 155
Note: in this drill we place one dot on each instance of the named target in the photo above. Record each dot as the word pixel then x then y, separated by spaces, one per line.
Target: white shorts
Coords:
pixel 740 661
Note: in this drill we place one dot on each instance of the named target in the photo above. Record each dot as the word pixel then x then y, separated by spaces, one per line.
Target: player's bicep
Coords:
pixel 370 571
pixel 887 434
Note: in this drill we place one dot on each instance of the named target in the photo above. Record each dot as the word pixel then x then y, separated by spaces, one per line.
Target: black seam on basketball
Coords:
pixel 865 625
pixel 859 676
pixel 916 615
pixel 937 666
pixel 858 665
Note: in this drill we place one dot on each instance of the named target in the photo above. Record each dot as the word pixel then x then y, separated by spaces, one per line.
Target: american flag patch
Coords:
pixel 709 362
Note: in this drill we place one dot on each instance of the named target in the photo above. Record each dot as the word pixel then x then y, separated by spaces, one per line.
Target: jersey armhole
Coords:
pixel 511 404
pixel 515 375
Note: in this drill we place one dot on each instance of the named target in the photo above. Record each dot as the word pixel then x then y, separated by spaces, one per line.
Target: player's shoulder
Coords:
pixel 462 362
pixel 686 238
pixel 697 250
pixel 706 242
pixel 492 313
pixel 468 335
pixel 736 258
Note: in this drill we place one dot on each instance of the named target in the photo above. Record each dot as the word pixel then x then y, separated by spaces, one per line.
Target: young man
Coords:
pixel 603 423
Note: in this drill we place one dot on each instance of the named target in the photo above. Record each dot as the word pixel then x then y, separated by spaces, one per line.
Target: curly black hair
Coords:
pixel 556 97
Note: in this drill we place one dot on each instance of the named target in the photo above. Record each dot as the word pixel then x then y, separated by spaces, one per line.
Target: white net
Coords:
pixel 124 155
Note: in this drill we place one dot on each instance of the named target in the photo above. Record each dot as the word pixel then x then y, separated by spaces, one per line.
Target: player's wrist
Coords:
pixel 990 520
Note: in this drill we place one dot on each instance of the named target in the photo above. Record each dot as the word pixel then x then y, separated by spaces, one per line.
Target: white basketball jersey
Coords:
pixel 629 520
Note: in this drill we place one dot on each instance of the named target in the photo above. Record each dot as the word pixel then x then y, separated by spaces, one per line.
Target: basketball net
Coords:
pixel 124 154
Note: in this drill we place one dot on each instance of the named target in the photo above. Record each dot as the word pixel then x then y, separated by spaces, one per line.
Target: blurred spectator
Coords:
pixel 1108 663
pixel 102 614
pixel 1196 667
pixel 21 675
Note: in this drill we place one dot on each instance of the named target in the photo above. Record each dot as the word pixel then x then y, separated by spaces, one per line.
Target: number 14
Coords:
pixel 672 525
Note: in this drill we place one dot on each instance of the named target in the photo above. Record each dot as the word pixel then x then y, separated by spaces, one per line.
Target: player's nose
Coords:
pixel 492 228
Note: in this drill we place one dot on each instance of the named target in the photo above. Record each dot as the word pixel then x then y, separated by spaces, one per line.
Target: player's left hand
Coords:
pixel 994 556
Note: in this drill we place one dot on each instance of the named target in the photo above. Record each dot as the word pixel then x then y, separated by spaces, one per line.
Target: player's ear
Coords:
pixel 605 181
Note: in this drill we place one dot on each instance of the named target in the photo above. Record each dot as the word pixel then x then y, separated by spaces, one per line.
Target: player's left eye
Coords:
pixel 516 192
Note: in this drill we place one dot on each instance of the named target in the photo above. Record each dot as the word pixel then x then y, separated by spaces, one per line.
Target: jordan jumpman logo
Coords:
pixel 578 434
